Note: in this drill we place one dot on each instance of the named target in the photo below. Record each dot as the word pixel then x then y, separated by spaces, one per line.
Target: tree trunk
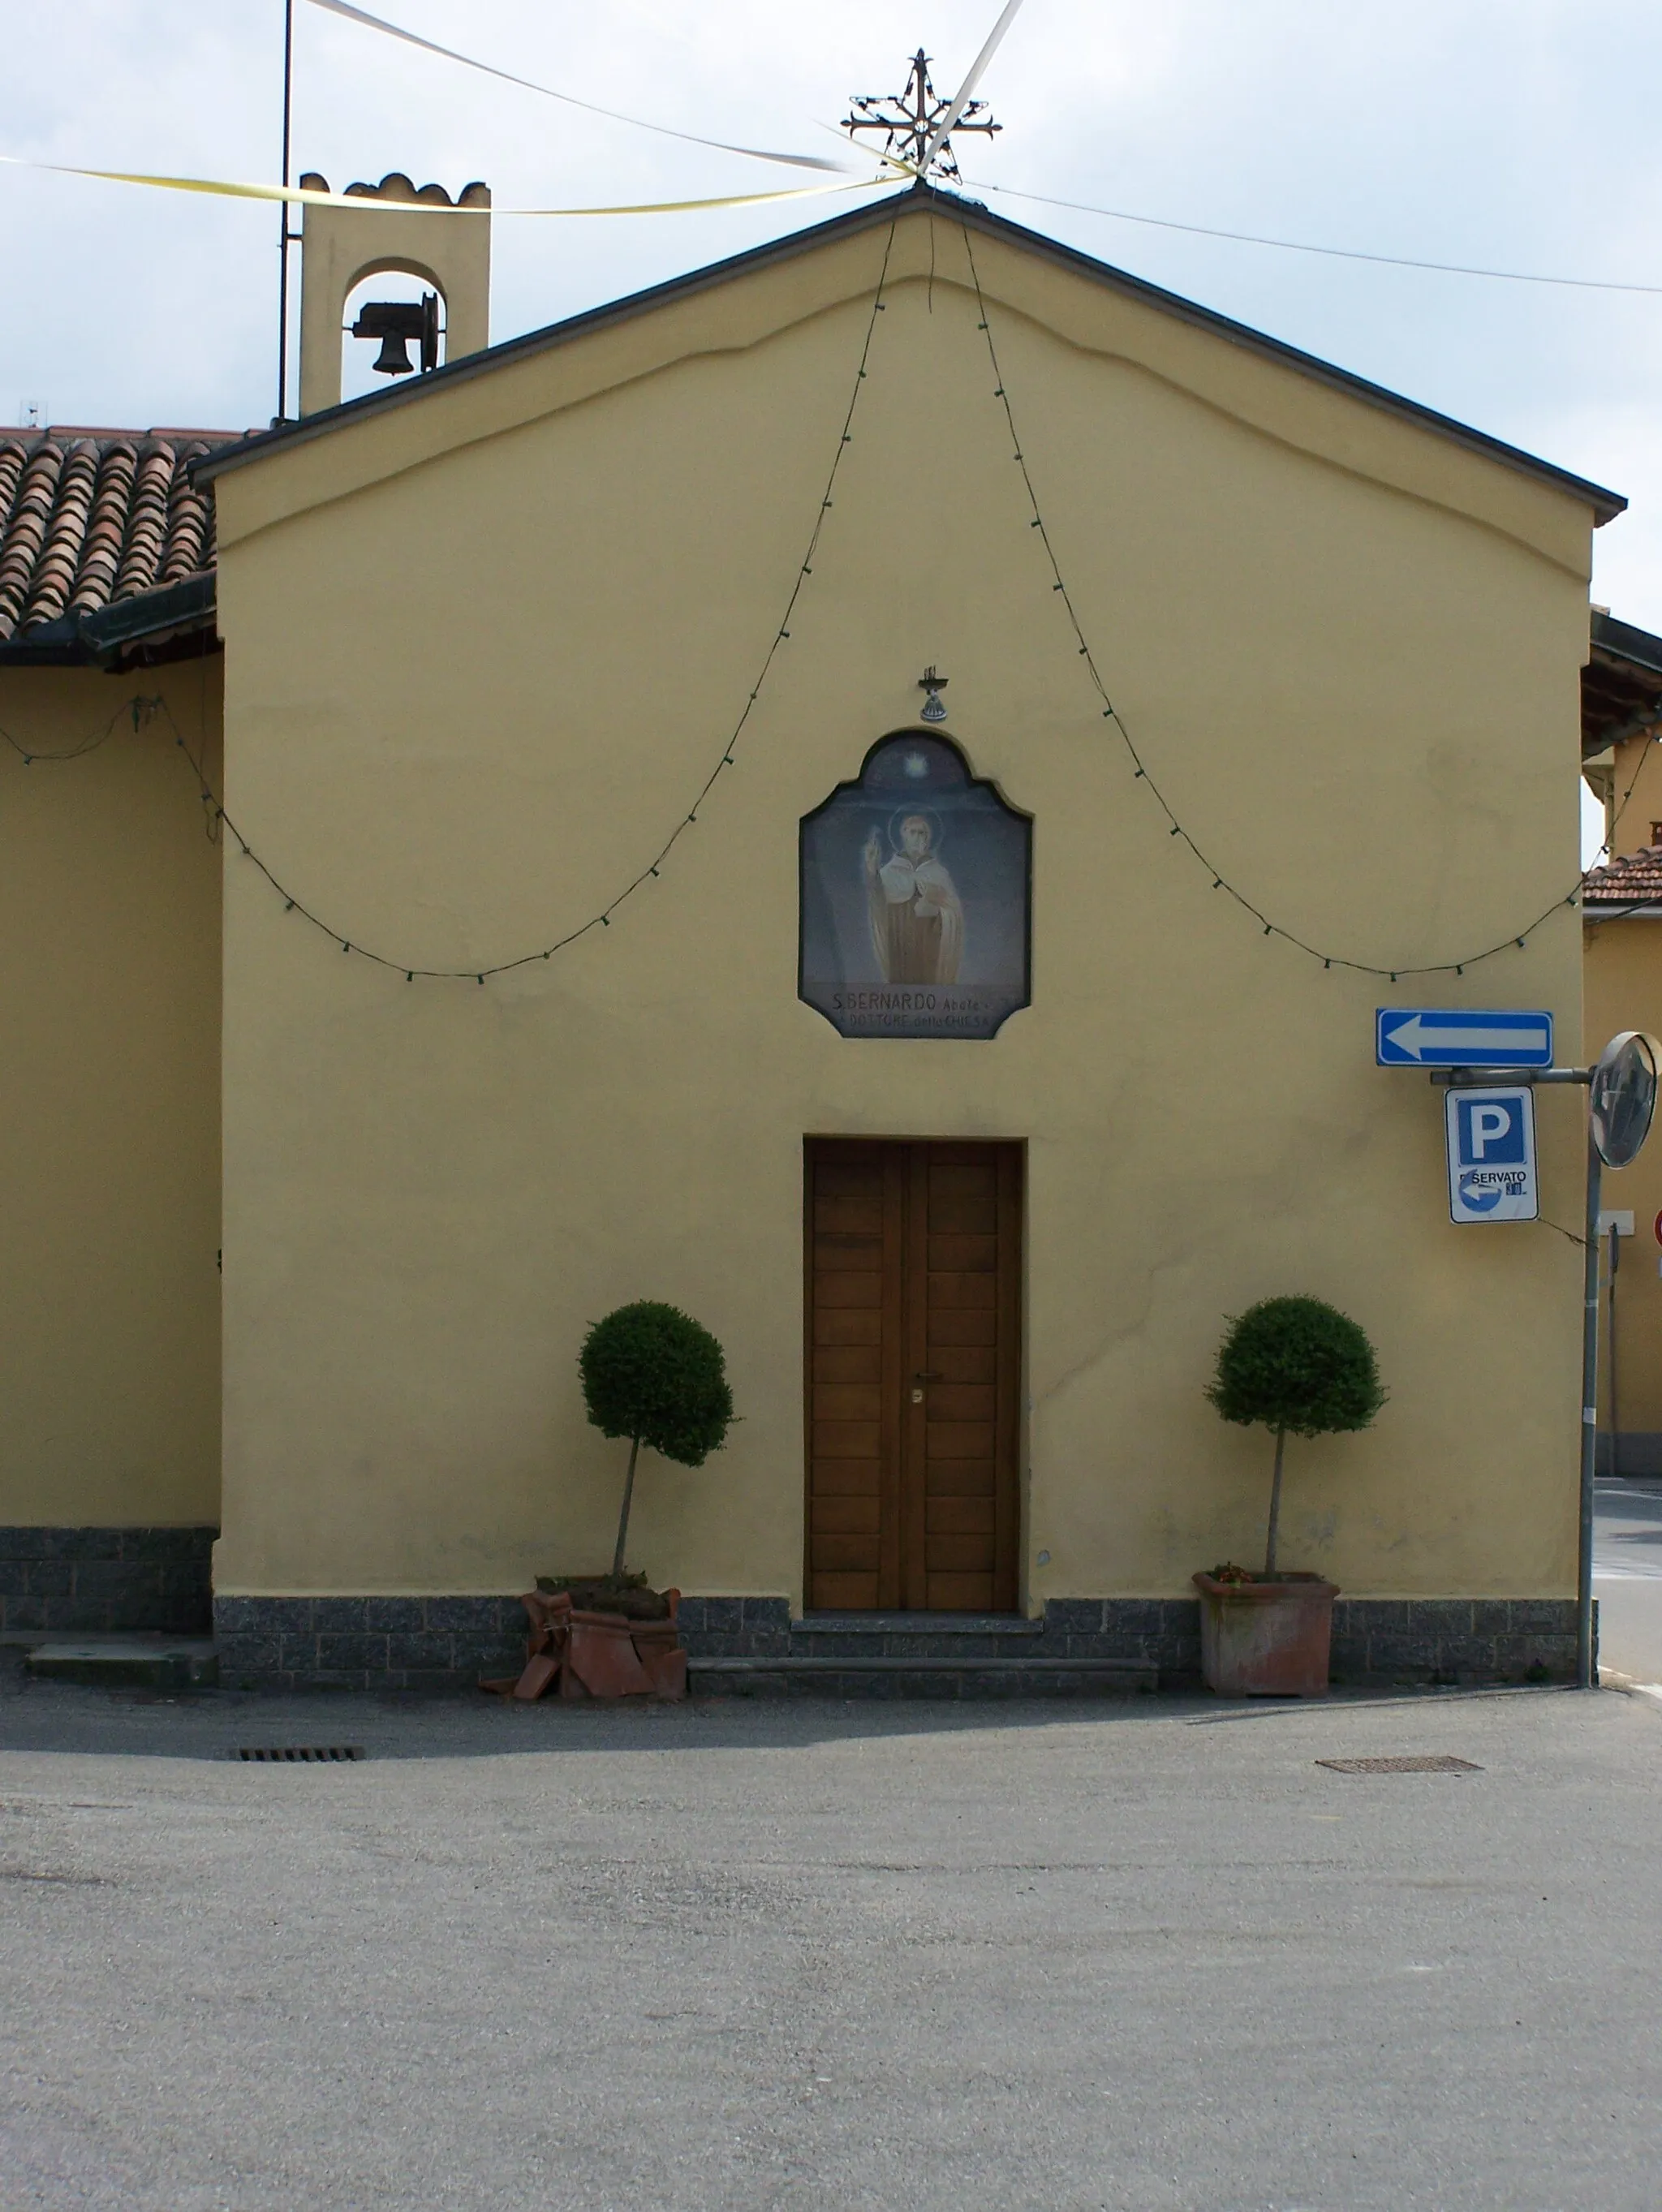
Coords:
pixel 1274 1506
pixel 629 1484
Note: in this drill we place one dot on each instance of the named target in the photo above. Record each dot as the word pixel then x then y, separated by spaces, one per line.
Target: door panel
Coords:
pixel 837 1515
pixel 845 1478
pixel 848 1401
pixel 852 1328
pixel 913 1257
pixel 960 1478
pixel 851 1363
pixel 958 1516
pixel 963 1401
pixel 853 1261
pixel 963 1328
pixel 961 1291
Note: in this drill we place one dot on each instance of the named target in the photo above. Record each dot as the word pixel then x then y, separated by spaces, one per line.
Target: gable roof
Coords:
pixel 1605 505
pixel 104 540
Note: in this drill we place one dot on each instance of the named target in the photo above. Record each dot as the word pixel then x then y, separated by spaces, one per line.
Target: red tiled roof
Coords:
pixel 89 518
pixel 1634 880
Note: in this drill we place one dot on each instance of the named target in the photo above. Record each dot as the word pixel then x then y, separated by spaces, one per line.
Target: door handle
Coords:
pixel 922 1377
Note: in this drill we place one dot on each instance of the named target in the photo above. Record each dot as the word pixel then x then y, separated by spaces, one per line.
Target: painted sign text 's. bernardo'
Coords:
pixel 904 1009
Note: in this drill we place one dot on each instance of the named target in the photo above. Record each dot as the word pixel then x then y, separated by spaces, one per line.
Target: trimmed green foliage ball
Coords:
pixel 1297 1364
pixel 651 1373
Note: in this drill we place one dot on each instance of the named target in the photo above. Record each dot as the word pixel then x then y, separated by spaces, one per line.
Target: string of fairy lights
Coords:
pixel 411 970
pixel 142 709
pixel 1175 828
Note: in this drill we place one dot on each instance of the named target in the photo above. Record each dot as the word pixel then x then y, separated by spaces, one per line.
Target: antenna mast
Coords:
pixel 285 236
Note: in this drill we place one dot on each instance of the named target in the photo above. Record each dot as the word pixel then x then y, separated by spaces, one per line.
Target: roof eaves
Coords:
pixel 1605 504
pixel 49 645
pixel 1625 642
pixel 99 637
pixel 191 603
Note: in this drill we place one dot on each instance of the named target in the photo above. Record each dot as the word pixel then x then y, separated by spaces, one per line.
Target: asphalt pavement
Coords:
pixel 1140 1955
pixel 1627 1577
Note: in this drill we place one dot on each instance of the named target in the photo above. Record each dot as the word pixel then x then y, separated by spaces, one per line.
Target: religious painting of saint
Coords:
pixel 915 898
pixel 916 915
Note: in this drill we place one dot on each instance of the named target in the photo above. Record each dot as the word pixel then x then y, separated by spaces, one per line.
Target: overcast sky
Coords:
pixel 1519 134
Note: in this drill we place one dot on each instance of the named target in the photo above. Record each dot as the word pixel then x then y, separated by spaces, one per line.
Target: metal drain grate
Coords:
pixel 307 1754
pixel 1441 1763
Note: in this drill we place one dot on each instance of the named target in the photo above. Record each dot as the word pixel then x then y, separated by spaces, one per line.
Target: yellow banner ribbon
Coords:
pixel 297 194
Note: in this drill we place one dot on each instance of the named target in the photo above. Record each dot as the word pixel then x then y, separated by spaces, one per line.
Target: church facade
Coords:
pixel 871 794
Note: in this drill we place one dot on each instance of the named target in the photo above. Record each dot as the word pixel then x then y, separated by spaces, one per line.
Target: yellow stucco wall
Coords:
pixel 109 1104
pixel 483 651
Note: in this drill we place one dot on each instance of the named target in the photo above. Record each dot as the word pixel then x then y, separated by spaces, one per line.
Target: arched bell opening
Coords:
pixel 409 268
pixel 393 325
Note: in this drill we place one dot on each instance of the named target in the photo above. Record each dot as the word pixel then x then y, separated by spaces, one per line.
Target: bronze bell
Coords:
pixel 395 322
pixel 393 359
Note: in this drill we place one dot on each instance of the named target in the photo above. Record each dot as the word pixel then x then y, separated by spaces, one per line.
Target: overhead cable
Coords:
pixel 1328 253
pixel 944 129
pixel 570 100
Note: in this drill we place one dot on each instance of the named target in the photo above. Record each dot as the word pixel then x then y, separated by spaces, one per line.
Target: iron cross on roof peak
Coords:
pixel 910 119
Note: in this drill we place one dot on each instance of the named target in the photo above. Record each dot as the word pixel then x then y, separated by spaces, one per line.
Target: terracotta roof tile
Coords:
pixel 89 518
pixel 1633 880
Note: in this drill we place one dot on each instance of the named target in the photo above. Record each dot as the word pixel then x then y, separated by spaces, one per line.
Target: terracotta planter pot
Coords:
pixel 1266 1639
pixel 601 1655
pixel 658 1647
pixel 582 1654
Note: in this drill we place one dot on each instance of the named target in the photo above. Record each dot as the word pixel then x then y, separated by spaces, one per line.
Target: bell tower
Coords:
pixel 340 246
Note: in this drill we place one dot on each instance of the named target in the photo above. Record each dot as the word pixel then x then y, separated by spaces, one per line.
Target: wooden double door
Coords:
pixel 913 1375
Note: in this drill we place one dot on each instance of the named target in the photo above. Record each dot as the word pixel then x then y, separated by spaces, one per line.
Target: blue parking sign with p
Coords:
pixel 1491 1155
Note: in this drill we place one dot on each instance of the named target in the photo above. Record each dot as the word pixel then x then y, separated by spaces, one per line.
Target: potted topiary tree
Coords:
pixel 652 1374
pixel 649 1373
pixel 1298 1366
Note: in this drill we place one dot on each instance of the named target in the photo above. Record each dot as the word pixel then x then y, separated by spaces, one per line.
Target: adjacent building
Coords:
pixel 1622 903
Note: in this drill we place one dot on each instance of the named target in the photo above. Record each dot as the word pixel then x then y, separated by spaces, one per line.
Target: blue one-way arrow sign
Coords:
pixel 1456 1037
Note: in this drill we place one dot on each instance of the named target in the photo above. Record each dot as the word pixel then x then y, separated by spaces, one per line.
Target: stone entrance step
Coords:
pixel 911 1655
pixel 156 1663
pixel 896 1674
pixel 919 1636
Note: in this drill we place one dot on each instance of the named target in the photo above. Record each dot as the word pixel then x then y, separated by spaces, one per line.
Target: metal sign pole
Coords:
pixel 1611 1273
pixel 1583 1653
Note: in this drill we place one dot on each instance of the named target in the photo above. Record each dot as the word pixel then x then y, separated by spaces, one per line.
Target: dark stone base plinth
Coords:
pixel 735 1627
pixel 1388 1642
pixel 367 1643
pixel 1447 1642
pixel 955 1677
pixel 1634 1456
pixel 107 1581
pixel 449 1642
